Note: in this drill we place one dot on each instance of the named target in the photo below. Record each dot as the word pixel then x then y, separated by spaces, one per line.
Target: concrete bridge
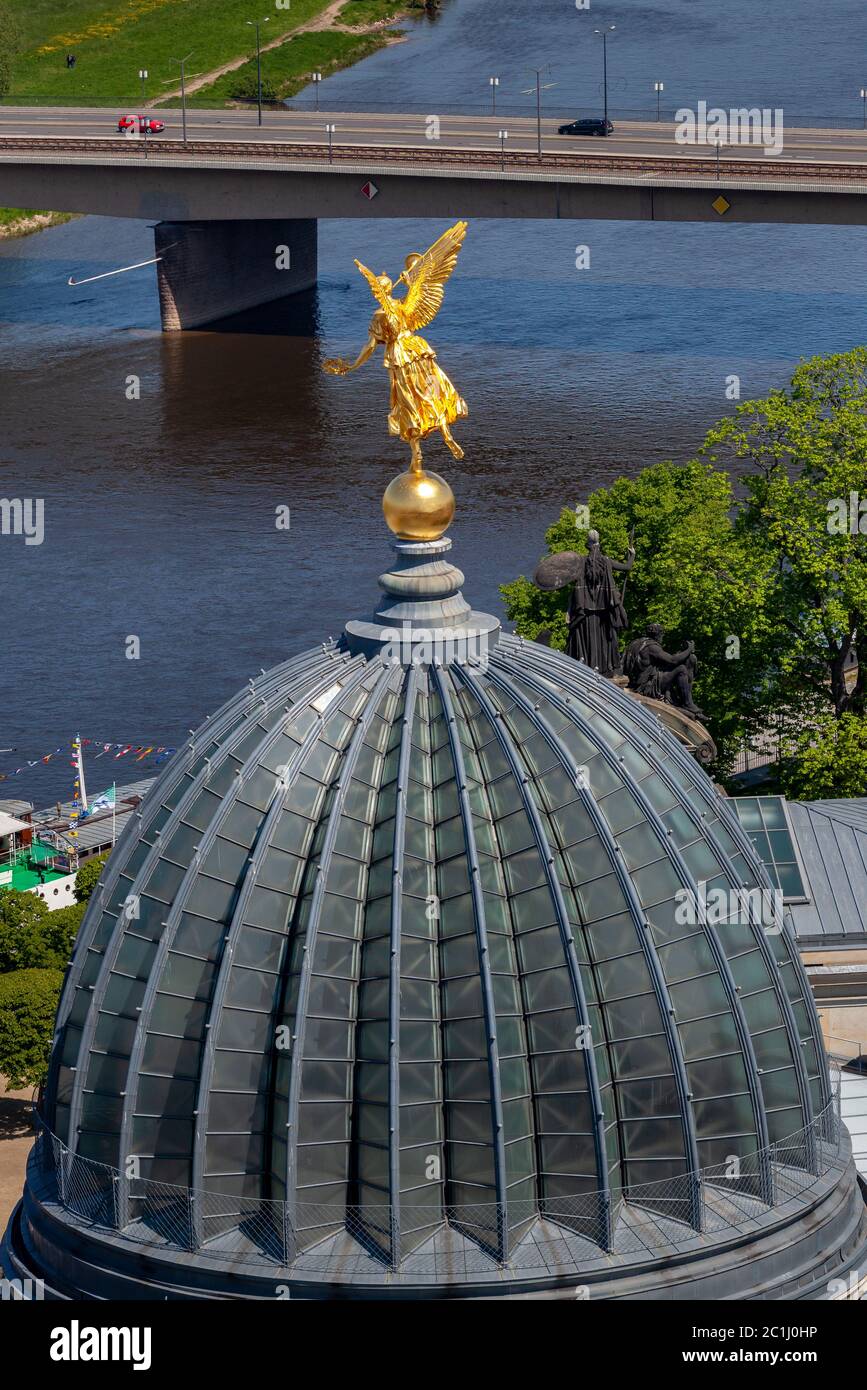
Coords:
pixel 237 206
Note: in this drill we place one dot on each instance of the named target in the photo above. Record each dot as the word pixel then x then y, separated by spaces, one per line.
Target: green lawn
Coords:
pixel 287 69
pixel 372 11
pixel 9 215
pixel 11 219
pixel 112 39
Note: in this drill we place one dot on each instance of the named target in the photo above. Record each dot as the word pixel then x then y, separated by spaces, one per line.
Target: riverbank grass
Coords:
pixel 286 70
pixel 358 13
pixel 22 221
pixel 112 41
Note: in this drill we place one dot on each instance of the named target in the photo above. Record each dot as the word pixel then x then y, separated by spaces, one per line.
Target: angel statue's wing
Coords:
pixel 426 281
pixel 385 300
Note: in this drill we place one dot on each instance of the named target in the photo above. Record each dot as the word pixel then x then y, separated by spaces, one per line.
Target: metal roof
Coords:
pixel 95 833
pixel 832 841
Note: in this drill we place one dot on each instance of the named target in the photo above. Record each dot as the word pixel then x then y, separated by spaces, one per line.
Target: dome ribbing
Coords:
pixel 405 942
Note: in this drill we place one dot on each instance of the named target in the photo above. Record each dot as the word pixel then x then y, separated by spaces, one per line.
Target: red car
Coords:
pixel 146 125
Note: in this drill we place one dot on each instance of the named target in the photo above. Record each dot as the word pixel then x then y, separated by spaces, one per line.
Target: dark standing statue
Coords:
pixel 662 675
pixel 596 613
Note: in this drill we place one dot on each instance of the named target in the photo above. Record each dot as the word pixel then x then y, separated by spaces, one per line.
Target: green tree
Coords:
pixel 58 934
pixel 87 877
pixel 692 573
pixel 10 39
pixel 768 576
pixel 22 918
pixel 246 88
pixel 805 452
pixel 28 1003
pixel 32 937
pixel 826 759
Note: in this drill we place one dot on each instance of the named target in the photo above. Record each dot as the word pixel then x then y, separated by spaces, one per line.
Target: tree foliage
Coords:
pixel 28 1003
pixel 692 574
pixel 246 88
pixel 759 572
pixel 32 937
pixel 826 759
pixel 88 876
pixel 805 452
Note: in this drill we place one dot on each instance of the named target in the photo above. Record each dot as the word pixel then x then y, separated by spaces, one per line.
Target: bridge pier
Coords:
pixel 210 270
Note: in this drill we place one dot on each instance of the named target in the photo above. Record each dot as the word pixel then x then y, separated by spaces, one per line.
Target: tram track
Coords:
pixel 573 161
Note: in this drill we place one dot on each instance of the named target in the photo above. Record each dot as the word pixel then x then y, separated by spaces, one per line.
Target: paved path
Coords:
pixel 16 1138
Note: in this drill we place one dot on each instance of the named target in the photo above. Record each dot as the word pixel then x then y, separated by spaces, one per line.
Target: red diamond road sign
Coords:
pixel 370 190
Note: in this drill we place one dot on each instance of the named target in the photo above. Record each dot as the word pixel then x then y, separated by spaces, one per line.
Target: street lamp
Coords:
pixel 494 83
pixel 539 89
pixel 603 34
pixel 143 72
pixel 504 135
pixel 183 66
pixel 659 88
pixel 331 129
pixel 256 24
pixel 317 78
pixel 864 99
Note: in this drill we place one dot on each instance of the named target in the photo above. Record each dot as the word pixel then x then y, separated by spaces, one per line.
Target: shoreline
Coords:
pixel 29 221
pixel 387 38
pixel 368 36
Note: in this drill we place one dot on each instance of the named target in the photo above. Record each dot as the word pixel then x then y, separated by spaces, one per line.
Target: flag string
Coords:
pixel 139 752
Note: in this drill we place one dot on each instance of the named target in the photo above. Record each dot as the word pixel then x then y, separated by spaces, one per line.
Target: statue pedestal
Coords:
pixel 688 731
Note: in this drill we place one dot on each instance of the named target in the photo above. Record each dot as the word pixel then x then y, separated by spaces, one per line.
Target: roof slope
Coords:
pixel 832 840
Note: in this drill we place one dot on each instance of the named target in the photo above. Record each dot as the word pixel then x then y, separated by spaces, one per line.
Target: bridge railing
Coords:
pixel 560 109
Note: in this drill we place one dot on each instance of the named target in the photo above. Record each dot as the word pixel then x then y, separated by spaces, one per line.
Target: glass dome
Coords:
pixel 412 940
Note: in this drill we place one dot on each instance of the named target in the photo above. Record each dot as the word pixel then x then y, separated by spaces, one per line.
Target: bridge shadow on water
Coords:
pixel 295 316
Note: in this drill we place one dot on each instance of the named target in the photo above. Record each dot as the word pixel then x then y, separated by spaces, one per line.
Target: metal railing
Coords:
pixel 420 1243
pixel 508 106
pixel 691 169
pixel 848 1052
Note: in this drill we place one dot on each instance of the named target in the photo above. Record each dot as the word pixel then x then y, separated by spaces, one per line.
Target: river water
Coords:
pixel 160 512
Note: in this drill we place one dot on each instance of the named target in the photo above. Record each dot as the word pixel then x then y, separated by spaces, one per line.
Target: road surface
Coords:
pixel 367 131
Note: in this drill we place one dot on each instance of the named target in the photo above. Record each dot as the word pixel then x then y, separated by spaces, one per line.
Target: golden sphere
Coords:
pixel 418 506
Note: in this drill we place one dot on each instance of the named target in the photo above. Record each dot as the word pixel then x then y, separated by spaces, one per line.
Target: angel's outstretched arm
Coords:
pixel 338 367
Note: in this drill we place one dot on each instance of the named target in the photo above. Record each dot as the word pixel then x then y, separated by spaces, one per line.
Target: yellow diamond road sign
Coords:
pixel 721 205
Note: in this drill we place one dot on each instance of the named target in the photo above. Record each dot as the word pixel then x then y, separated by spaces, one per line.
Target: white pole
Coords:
pixel 113 812
pixel 82 788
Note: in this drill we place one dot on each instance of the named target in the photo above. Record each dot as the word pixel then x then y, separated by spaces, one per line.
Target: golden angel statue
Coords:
pixel 423 399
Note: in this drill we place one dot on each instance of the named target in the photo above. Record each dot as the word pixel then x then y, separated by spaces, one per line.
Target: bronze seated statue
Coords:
pixel 661 675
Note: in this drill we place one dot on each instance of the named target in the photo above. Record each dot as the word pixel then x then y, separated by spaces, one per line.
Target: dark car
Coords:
pixel 586 128
pixel 146 125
